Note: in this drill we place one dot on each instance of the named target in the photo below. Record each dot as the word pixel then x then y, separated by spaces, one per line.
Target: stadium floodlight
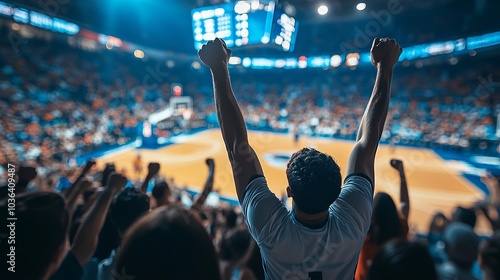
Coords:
pixel 139 54
pixel 352 59
pixel 322 10
pixel 335 60
pixel 361 6
pixel 242 7
pixel 234 60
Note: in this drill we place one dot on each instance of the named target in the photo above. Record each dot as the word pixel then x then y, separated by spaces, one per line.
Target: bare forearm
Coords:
pixel 73 198
pixel 372 123
pixel 207 188
pixel 404 198
pixel 144 186
pixel 228 112
pixel 87 236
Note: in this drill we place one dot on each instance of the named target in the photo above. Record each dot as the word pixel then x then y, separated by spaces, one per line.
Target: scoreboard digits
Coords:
pixel 244 23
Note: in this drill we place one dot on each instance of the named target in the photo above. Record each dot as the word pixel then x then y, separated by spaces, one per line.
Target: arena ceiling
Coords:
pixel 166 24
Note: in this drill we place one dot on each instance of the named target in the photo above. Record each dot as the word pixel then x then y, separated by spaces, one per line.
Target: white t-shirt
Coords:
pixel 291 250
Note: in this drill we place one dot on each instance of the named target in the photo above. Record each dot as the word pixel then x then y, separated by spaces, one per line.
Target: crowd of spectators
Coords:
pixel 119 231
pixel 98 225
pixel 59 103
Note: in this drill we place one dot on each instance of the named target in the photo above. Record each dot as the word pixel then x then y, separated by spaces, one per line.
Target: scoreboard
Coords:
pixel 244 23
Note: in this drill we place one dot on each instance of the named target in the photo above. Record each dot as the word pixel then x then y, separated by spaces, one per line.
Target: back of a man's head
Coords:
pixel 314 179
pixel 168 243
pixel 161 192
pixel 489 257
pixel 127 207
pixel 38 235
pixel 461 244
pixel 464 215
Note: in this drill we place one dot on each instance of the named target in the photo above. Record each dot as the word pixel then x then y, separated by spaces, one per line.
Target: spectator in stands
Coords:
pixel 322 237
pixel 387 223
pixel 461 246
pixel 464 215
pixel 167 243
pixel 401 259
pixel 87 236
pixel 127 207
pixel 435 237
pixel 489 257
pixel 41 239
pixel 25 175
pixel 161 193
pixel 234 252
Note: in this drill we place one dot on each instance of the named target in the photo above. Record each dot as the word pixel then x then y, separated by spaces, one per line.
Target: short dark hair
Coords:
pixel 159 190
pixel 489 251
pixel 464 215
pixel 168 243
pixel 385 224
pixel 41 229
pixel 461 244
pixel 127 207
pixel 402 260
pixel 315 180
pixel 235 243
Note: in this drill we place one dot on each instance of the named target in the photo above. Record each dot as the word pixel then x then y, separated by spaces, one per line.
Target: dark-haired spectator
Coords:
pixel 322 236
pixel 435 237
pixel 87 236
pixel 401 259
pixel 461 247
pixel 161 194
pixel 464 215
pixel 387 223
pixel 24 176
pixel 127 207
pixel 41 239
pixel 489 257
pixel 167 243
pixel 234 251
pixel 153 169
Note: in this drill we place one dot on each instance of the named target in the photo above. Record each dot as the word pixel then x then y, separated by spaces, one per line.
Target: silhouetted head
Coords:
pixel 231 218
pixel 235 243
pixel 168 243
pixel 402 260
pixel 127 207
pixel 385 223
pixel 41 235
pixel 464 215
pixel 314 180
pixel 489 257
pixel 461 244
pixel 161 192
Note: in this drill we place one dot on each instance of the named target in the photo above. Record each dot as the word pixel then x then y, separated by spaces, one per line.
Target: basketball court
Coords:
pixel 434 184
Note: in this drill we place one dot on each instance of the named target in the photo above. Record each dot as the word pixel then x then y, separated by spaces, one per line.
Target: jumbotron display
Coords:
pixel 244 23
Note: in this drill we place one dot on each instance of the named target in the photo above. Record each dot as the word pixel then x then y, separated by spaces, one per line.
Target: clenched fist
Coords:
pixel 385 52
pixel 215 54
pixel 116 181
pixel 153 169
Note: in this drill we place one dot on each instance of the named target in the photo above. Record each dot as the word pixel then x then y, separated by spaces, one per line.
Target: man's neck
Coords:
pixel 318 219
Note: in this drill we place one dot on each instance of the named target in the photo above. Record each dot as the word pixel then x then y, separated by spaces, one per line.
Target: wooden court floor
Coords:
pixel 433 184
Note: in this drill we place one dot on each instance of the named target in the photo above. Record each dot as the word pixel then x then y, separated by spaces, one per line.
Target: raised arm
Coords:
pixel 153 169
pixel 244 161
pixel 73 189
pixel 404 200
pixel 87 237
pixel 384 54
pixel 207 188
